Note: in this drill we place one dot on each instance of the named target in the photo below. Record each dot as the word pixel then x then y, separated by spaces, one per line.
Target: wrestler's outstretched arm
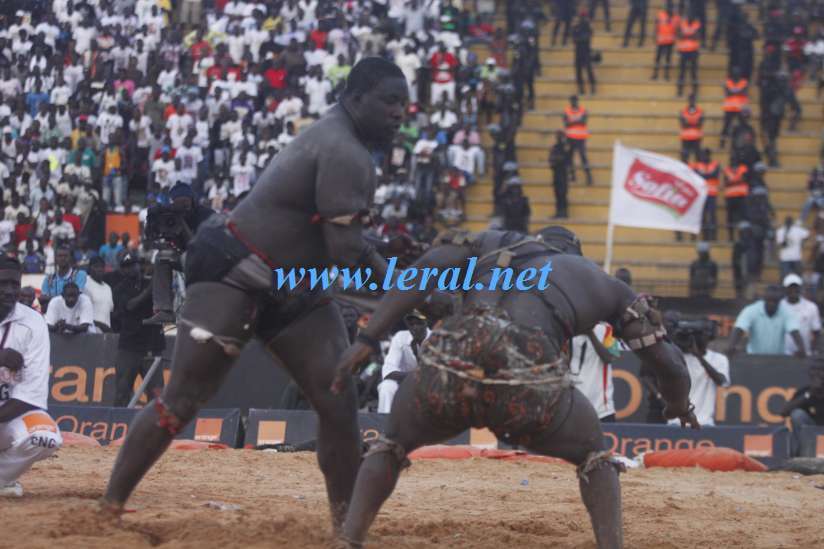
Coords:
pixel 608 299
pixel 641 326
pixel 396 303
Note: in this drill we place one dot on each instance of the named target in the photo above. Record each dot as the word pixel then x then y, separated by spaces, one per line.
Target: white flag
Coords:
pixel 655 192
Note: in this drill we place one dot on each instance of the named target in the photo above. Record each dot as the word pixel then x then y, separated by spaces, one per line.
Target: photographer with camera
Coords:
pixel 708 369
pixel 168 230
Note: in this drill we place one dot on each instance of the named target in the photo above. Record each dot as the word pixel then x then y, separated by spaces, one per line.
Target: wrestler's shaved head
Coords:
pixel 368 72
pixel 376 97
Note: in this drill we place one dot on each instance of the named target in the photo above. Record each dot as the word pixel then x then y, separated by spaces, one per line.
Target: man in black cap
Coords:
pixel 170 229
pixel 138 343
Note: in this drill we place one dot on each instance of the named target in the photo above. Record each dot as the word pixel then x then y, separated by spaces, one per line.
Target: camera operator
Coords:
pixel 169 229
pixel 708 369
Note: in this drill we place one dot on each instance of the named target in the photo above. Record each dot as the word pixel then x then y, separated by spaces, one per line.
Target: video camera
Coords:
pixel 696 331
pixel 164 223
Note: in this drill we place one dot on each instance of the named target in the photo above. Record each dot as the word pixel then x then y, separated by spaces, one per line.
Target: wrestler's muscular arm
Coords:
pixel 344 190
pixel 396 303
pixel 607 299
pixel 664 358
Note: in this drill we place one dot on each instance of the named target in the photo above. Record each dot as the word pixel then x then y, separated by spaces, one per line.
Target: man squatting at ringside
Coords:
pixel 499 363
pixel 307 210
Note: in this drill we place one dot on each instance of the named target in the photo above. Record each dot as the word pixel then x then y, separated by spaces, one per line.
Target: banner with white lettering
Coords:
pixel 655 192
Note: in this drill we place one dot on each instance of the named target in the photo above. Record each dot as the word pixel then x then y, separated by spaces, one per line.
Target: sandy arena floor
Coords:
pixel 468 504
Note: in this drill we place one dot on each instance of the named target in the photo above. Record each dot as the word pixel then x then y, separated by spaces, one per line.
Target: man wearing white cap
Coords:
pixel 401 359
pixel 806 312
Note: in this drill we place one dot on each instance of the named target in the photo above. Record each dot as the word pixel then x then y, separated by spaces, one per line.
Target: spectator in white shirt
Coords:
pixel 315 56
pixel 401 359
pixel 396 209
pixel 109 122
pixel 71 312
pixel 790 237
pixel 179 123
pixel 163 169
pixel 409 63
pixel 318 90
pixel 243 173
pixel 290 108
pixel 190 156
pixel 10 85
pixel 6 232
pixel 444 118
pixel 167 78
pixel 288 135
pixel 219 193
pixel 61 92
pixel 100 294
pixel 806 312
pixel 15 208
pixel 78 170
pixel 61 230
pixel 591 367
pixel 463 158
pixel 708 370
pixel 236 42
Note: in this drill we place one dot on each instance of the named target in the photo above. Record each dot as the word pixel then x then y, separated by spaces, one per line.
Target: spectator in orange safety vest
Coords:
pixel 710 170
pixel 665 25
pixel 736 189
pixel 736 99
pixel 689 32
pixel 575 122
pixel 692 120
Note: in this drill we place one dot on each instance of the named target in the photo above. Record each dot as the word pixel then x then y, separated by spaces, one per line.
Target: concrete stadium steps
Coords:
pixel 643 103
pixel 613 53
pixel 618 14
pixel 667 121
pixel 598 209
pixel 591 230
pixel 632 108
pixel 802 159
pixel 710 91
pixel 784 184
pixel 652 139
pixel 540 191
pixel 610 41
pixel 612 69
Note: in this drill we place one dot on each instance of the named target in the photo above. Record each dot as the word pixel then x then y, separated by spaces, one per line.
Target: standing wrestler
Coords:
pixel 27 432
pixel 306 211
pixel 499 363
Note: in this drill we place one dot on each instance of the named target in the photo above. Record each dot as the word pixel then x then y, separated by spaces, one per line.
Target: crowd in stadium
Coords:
pixel 110 106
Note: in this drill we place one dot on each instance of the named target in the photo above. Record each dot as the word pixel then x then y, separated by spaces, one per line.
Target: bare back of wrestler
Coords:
pixel 498 364
pixel 305 211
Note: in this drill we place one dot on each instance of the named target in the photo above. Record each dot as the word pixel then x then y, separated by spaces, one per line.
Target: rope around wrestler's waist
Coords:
pixel 556 378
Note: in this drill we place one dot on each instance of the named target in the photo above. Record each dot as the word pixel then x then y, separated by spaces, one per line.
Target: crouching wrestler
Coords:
pixel 500 363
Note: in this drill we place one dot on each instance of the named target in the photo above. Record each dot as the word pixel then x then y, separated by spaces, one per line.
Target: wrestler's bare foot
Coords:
pixel 342 542
pixel 110 509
